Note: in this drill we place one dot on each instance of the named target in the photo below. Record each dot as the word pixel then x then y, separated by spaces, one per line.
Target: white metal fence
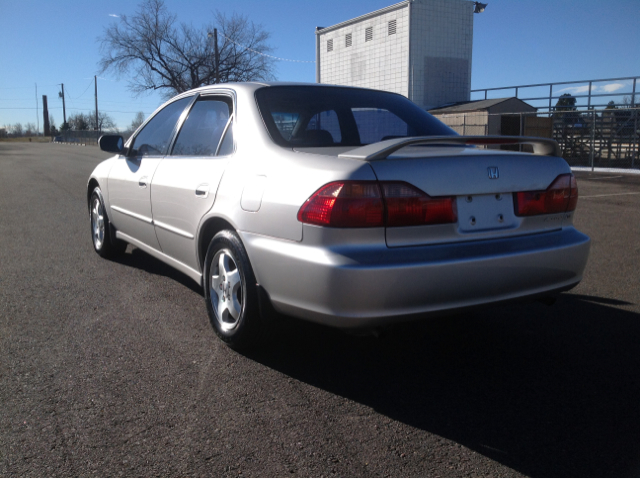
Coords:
pixel 585 94
pixel 594 138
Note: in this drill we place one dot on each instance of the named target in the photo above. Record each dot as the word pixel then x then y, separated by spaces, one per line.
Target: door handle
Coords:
pixel 202 190
pixel 142 182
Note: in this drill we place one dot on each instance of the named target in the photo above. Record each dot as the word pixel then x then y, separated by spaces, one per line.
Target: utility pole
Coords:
pixel 64 111
pixel 45 116
pixel 37 113
pixel 95 79
pixel 216 53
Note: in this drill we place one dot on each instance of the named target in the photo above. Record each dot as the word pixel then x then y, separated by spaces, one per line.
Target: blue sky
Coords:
pixel 515 42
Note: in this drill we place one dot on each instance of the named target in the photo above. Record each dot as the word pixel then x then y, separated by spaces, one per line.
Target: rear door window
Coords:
pixel 202 131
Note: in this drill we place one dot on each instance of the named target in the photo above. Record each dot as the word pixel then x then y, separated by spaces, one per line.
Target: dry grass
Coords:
pixel 27 139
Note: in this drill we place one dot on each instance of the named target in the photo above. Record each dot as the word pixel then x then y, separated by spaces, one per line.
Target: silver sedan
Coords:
pixel 349 207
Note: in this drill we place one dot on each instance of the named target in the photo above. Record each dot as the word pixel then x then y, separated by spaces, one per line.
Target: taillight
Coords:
pixel 573 199
pixel 408 206
pixel 361 204
pixel 560 197
pixel 344 204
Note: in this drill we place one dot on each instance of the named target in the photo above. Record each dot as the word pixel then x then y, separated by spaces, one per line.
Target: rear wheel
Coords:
pixel 101 228
pixel 231 292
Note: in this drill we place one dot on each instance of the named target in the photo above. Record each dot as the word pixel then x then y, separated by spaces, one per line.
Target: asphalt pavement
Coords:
pixel 111 368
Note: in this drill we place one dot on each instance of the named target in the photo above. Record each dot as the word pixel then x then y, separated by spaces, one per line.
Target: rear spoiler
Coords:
pixel 383 149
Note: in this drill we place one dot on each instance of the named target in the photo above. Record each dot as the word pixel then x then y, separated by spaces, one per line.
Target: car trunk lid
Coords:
pixel 482 182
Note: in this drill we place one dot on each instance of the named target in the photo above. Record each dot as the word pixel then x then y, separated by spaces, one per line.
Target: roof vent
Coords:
pixel 392 27
pixel 368 34
pixel 347 40
pixel 330 45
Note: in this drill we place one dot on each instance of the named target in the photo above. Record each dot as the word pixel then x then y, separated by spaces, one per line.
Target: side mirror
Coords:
pixel 111 143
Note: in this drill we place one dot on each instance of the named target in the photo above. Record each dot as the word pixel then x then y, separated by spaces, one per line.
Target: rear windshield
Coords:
pixel 328 116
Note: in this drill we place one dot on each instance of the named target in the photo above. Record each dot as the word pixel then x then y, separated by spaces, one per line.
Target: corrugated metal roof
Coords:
pixel 473 105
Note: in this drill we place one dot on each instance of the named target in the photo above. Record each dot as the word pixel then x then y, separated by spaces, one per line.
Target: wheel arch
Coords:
pixel 211 227
pixel 93 183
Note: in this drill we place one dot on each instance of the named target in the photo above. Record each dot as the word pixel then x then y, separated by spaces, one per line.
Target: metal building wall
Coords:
pixel 441 48
pixel 381 62
pixel 427 59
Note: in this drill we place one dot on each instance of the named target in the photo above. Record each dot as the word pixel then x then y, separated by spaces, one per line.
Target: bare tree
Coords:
pixel 52 126
pixel 105 122
pixel 16 129
pixel 137 121
pixel 30 129
pixel 78 122
pixel 172 58
pixel 628 103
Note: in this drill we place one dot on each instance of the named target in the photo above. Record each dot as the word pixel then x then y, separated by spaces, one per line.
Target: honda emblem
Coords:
pixel 494 174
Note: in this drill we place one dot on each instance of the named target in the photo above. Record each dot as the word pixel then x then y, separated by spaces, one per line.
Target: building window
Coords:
pixel 330 45
pixel 392 27
pixel 347 40
pixel 368 34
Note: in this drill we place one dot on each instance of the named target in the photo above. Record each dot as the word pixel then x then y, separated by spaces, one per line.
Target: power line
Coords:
pixel 25 87
pixel 15 99
pixel 85 91
pixel 150 105
pixel 107 111
pixel 126 102
pixel 73 109
pixel 266 54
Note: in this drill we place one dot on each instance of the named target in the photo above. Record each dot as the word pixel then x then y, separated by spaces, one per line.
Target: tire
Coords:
pixel 101 234
pixel 231 292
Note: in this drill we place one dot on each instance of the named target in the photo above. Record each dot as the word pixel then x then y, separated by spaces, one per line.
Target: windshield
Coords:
pixel 309 116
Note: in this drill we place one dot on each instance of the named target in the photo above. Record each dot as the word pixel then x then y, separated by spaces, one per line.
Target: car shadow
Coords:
pixel 136 258
pixel 547 391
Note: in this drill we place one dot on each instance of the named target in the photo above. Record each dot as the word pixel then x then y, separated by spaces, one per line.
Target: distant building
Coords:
pixel 418 48
pixel 498 116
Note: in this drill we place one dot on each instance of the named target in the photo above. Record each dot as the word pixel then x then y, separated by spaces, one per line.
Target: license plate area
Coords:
pixel 480 213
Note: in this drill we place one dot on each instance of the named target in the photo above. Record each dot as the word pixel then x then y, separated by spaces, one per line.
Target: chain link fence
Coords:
pixel 607 138
pixel 86 137
pixel 82 137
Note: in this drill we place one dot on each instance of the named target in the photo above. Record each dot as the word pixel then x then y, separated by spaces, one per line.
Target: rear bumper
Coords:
pixel 370 285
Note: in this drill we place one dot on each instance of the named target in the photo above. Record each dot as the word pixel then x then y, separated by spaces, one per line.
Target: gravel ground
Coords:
pixel 110 368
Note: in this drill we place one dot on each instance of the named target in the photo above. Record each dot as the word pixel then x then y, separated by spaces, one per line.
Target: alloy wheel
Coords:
pixel 226 290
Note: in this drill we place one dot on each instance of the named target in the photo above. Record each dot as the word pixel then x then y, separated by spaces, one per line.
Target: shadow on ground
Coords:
pixel 547 391
pixel 136 258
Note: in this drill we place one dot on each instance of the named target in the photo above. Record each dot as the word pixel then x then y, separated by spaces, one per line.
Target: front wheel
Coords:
pixel 100 228
pixel 231 293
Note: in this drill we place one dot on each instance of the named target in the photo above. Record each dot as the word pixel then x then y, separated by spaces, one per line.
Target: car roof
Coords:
pixel 248 88
pixel 255 85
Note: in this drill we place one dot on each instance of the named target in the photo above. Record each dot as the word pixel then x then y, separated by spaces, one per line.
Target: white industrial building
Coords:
pixel 418 48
